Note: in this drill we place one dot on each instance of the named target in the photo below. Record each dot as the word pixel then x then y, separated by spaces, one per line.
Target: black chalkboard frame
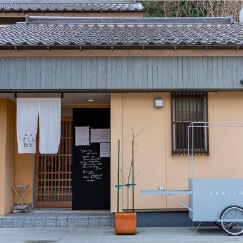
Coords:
pixel 88 195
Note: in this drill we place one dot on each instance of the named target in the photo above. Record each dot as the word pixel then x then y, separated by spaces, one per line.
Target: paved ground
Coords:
pixel 59 213
pixel 72 235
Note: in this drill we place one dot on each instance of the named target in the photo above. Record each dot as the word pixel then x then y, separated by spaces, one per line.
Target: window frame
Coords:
pixel 204 141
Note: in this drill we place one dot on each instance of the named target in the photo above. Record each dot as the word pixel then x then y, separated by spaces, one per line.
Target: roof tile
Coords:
pixel 79 6
pixel 121 35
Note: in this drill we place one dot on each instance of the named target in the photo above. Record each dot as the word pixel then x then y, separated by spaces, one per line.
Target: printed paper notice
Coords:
pixel 105 150
pixel 81 136
pixel 100 135
pixel 105 135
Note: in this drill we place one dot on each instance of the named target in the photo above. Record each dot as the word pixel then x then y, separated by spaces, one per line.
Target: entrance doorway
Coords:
pixel 91 160
pixel 61 179
pixel 53 173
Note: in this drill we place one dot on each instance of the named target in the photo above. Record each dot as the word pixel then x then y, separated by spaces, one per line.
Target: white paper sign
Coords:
pixel 105 150
pixel 105 135
pixel 95 135
pixel 100 135
pixel 81 136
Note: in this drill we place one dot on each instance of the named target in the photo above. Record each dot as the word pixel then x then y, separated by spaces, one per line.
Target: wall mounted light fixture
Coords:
pixel 158 102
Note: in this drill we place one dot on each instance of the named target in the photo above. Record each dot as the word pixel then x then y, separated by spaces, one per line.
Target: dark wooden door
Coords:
pixel 53 172
pixel 91 173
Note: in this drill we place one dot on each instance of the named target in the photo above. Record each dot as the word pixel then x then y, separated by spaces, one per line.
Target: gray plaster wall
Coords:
pixel 121 73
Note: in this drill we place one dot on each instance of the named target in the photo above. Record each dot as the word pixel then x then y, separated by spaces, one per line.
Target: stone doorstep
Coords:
pixel 59 221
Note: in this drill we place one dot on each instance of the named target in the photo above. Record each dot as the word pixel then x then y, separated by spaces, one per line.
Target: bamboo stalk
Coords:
pixel 118 188
pixel 133 175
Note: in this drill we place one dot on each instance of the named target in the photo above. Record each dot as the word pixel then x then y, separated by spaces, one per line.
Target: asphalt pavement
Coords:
pixel 97 235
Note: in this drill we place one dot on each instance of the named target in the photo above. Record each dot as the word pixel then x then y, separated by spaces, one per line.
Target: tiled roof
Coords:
pixel 75 6
pixel 134 34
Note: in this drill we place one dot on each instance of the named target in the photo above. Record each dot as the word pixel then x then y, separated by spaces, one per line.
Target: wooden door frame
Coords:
pixel 47 204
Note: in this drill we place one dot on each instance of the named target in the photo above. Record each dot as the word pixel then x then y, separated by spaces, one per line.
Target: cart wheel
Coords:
pixel 232 228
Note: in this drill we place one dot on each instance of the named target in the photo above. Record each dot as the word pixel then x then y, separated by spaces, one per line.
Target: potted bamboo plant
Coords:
pixel 126 222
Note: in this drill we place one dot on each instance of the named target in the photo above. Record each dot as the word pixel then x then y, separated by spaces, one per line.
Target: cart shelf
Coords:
pixel 164 192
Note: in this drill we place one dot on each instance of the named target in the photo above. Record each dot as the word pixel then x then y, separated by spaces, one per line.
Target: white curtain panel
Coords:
pixel 27 119
pixel 49 111
pixel 50 125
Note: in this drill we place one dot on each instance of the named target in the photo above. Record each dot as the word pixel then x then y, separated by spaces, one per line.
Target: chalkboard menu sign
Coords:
pixel 91 165
pixel 91 171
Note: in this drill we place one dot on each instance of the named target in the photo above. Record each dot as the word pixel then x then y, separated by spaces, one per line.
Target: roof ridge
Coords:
pixel 102 20
pixel 116 6
pixel 65 2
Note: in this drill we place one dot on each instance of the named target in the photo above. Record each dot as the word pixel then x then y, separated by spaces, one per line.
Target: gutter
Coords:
pixel 121 47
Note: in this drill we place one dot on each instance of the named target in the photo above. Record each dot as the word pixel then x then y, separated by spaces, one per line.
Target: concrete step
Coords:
pixel 26 220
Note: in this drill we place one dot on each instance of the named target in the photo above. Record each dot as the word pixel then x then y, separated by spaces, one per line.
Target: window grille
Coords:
pixel 189 107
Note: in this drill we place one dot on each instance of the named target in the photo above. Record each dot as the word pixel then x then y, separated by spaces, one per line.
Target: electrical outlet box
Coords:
pixel 161 187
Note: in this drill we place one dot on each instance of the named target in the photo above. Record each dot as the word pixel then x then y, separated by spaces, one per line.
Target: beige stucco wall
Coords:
pixel 153 159
pixel 154 164
pixel 23 173
pixel 7 134
pixel 16 169
pixel 3 121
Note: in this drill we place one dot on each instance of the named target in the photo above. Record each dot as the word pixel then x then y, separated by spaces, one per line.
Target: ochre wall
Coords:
pixel 153 158
pixel 16 169
pixel 7 134
pixel 3 121
pixel 23 173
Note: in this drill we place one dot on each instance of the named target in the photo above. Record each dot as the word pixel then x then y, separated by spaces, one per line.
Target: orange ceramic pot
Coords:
pixel 125 223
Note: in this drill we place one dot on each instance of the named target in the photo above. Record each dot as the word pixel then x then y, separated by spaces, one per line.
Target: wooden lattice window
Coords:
pixel 53 182
pixel 189 107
